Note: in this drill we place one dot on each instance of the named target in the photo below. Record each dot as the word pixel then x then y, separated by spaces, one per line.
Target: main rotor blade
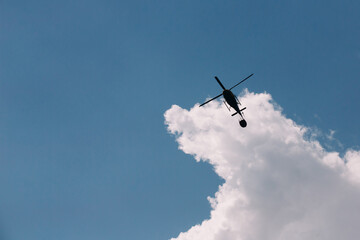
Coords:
pixel 210 100
pixel 219 82
pixel 242 80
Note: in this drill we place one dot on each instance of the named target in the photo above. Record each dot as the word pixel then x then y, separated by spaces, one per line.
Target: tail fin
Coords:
pixel 239 111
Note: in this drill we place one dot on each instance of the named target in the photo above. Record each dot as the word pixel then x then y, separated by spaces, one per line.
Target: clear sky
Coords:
pixel 84 152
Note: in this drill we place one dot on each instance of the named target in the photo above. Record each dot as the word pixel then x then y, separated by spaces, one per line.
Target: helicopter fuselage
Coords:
pixel 231 100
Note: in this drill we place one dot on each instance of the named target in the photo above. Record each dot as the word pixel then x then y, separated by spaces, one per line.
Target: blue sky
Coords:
pixel 84 151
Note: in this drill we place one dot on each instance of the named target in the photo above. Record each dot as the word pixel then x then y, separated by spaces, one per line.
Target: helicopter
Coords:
pixel 231 100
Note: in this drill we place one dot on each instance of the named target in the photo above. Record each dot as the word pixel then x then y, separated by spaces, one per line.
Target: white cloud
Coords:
pixel 279 183
pixel 331 134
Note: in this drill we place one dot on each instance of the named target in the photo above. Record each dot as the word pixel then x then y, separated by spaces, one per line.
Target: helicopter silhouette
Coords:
pixel 232 100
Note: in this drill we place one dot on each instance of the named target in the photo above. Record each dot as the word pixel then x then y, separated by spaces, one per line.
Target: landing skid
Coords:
pixel 227 106
pixel 237 100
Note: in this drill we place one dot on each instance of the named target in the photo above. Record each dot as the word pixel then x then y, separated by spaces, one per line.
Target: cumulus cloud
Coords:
pixel 279 182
